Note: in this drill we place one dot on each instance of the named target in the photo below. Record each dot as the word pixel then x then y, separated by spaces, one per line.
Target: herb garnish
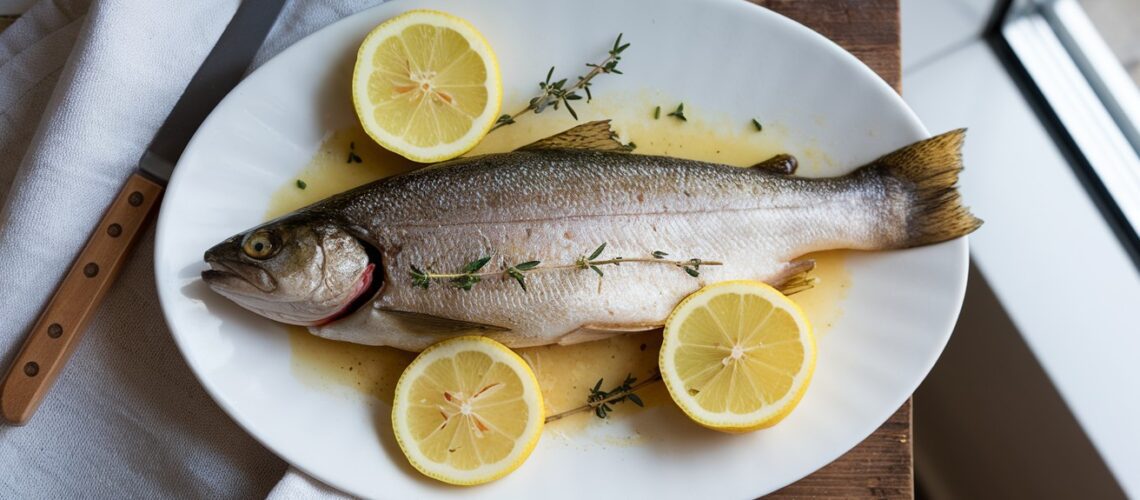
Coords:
pixel 756 123
pixel 472 273
pixel 657 113
pixel 556 93
pixel 352 156
pixel 679 113
pixel 599 401
pixel 588 262
pixel 301 184
pixel 604 399
pixel 516 271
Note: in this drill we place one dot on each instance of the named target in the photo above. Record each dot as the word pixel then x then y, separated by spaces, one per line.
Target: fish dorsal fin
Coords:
pixel 594 136
pixel 783 164
pixel 438 325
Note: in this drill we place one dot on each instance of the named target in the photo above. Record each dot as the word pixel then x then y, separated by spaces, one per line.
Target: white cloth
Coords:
pixel 297 485
pixel 84 85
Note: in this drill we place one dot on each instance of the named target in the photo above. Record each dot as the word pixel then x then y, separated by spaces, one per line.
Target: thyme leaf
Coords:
pixel 679 113
pixel 598 251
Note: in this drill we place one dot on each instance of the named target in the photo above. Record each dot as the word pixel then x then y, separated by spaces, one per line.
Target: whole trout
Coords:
pixel 570 239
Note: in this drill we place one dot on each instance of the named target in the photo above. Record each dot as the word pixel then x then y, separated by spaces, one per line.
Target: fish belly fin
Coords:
pixel 599 331
pixel 429 324
pixel 593 136
pixel 782 164
pixel 405 330
pixel 929 171
pixel 795 279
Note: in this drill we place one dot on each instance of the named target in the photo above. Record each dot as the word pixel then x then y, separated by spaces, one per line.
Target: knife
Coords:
pixel 62 323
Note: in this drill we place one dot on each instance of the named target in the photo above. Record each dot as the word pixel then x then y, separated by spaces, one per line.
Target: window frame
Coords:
pixel 1065 71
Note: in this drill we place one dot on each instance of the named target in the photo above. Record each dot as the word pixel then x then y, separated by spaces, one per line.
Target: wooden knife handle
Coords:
pixel 57 331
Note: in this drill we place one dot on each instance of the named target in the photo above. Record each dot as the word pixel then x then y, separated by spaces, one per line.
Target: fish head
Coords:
pixel 294 270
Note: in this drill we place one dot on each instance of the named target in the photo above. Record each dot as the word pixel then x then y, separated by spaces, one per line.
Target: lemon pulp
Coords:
pixel 467 411
pixel 426 85
pixel 737 356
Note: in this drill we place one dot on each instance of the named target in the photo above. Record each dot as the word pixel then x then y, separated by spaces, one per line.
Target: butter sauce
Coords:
pixel 566 373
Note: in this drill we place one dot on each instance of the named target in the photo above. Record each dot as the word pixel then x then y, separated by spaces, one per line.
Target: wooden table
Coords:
pixel 881 466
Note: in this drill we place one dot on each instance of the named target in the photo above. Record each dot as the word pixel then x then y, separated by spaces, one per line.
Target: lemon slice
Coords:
pixel 467 411
pixel 426 85
pixel 737 356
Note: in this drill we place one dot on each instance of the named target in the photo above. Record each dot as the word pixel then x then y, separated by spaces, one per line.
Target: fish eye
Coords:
pixel 260 245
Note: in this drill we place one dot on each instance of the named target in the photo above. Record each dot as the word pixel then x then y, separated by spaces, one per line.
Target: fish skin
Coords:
pixel 558 205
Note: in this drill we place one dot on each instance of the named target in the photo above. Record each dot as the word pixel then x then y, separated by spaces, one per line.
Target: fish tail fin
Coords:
pixel 929 171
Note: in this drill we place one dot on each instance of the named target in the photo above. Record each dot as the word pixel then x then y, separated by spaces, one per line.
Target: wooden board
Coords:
pixel 867 28
pixel 882 466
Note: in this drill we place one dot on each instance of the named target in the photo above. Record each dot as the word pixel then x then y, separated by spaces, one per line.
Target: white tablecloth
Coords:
pixel 84 84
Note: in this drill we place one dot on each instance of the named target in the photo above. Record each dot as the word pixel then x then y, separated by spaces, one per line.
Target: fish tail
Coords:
pixel 928 172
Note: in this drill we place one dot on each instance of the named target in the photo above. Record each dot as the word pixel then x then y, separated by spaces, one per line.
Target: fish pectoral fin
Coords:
pixel 599 331
pixel 594 136
pixel 437 325
pixel 795 277
pixel 782 164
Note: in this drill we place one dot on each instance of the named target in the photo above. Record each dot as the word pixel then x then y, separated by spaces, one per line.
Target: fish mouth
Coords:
pixel 236 277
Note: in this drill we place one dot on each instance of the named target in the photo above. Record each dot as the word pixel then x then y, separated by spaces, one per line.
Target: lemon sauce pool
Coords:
pixel 349 158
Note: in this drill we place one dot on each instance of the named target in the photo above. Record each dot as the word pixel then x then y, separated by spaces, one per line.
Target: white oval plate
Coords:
pixel 723 56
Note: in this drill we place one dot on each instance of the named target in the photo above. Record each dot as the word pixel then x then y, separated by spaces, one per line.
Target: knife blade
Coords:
pixel 63 321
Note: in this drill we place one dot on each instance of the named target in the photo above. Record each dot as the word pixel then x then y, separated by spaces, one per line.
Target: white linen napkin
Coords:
pixel 84 85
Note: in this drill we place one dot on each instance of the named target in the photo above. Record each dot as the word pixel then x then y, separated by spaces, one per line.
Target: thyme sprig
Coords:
pixel 472 273
pixel 555 93
pixel 692 267
pixel 592 263
pixel 621 393
pixel 465 279
pixel 599 401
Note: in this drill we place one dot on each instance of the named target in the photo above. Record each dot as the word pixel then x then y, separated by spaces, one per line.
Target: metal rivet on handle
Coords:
pixel 91 269
pixel 114 230
pixel 135 199
pixel 54 331
pixel 31 369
